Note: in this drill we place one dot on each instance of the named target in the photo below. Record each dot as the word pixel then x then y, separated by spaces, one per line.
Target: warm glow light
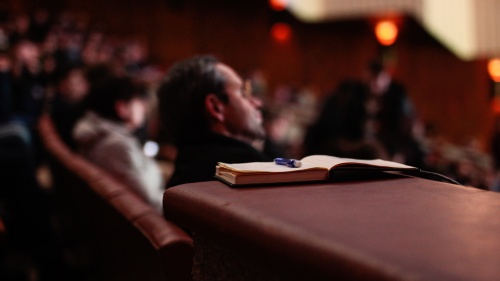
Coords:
pixel 494 69
pixel 386 32
pixel 496 105
pixel 281 32
pixel 278 5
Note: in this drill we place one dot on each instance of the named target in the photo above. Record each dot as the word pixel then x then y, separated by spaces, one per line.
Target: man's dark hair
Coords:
pixel 181 96
pixel 105 92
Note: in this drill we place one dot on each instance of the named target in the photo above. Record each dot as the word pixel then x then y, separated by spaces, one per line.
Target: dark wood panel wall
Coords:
pixel 450 93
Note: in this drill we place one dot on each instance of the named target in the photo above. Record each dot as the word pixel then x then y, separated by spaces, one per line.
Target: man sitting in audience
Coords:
pixel 212 117
pixel 116 108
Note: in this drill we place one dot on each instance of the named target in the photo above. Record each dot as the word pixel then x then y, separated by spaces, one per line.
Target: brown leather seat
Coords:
pixel 128 235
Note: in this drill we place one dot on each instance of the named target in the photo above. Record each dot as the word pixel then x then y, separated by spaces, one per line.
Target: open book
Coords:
pixel 313 168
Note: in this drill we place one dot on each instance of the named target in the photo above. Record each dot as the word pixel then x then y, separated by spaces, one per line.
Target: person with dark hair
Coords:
pixel 212 117
pixel 116 107
pixel 495 154
pixel 67 105
pixel 340 127
pixel 391 116
pixel 5 87
pixel 29 93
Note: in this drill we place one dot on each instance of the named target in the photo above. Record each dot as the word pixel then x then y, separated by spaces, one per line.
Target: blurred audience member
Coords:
pixel 67 103
pixel 212 116
pixel 28 92
pixel 276 126
pixel 495 154
pixel 117 107
pixel 24 207
pixel 391 116
pixel 340 127
pixel 5 87
pixel 28 83
pixel 40 25
pixel 20 28
pixel 42 55
pixel 69 49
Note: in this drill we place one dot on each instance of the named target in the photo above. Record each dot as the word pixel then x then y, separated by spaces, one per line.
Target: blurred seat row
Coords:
pixel 111 230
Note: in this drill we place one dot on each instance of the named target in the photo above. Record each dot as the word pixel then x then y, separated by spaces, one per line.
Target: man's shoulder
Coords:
pixel 226 151
pixel 196 161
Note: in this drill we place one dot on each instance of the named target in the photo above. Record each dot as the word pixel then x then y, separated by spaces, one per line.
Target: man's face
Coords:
pixel 242 115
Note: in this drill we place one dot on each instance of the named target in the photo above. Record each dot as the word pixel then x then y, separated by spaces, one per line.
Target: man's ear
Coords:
pixel 214 107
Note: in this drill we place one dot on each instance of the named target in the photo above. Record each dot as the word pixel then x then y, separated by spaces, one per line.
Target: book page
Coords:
pixel 265 167
pixel 328 162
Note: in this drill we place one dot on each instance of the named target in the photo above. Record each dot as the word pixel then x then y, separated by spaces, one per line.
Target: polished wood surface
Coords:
pixel 401 228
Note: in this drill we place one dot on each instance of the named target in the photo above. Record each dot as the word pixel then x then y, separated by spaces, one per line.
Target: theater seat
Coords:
pixel 124 237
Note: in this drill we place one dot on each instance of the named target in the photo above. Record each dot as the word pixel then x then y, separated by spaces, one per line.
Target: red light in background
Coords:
pixel 278 5
pixel 386 32
pixel 281 32
pixel 494 69
pixel 496 105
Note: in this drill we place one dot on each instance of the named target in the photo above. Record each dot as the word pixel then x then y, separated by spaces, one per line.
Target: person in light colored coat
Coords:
pixel 105 136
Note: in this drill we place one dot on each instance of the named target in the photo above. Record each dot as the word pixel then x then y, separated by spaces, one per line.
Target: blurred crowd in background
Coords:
pixel 49 61
pixel 47 64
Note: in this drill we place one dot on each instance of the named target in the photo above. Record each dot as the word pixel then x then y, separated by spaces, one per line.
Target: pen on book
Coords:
pixel 292 163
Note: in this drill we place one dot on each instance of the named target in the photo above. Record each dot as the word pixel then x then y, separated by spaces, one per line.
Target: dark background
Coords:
pixel 450 94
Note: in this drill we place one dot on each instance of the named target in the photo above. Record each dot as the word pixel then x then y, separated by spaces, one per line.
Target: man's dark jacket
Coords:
pixel 196 159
